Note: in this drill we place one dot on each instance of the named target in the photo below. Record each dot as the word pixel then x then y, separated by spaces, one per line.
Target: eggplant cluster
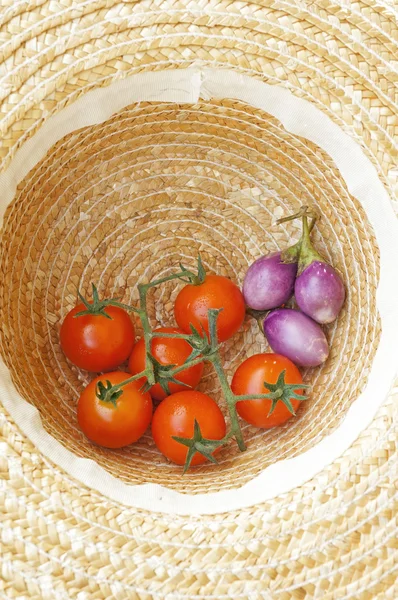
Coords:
pixel 318 289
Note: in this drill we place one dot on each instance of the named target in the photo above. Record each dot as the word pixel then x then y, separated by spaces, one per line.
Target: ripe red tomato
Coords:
pixel 249 378
pixel 114 426
pixel 194 301
pixel 176 415
pixel 167 351
pixel 95 343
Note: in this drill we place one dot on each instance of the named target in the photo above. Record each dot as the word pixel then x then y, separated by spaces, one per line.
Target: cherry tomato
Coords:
pixel 114 426
pixel 194 301
pixel 167 351
pixel 176 415
pixel 249 378
pixel 95 343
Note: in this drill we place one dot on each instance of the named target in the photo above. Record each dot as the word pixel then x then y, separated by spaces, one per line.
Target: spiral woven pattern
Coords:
pixel 125 202
pixel 335 536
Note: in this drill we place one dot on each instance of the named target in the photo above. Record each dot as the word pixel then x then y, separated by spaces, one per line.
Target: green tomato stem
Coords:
pixel 174 336
pixel 252 397
pixel 270 396
pixel 229 398
pixel 156 282
pixel 97 307
pixel 118 386
pixel 210 351
pixel 188 364
pixel 143 314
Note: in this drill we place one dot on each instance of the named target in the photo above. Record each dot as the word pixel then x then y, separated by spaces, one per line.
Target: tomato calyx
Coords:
pixel 108 392
pixel 164 375
pixel 199 342
pixel 191 277
pixel 199 444
pixel 284 392
pixel 97 307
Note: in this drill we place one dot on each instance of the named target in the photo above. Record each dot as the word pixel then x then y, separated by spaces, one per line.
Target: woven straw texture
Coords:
pixel 126 199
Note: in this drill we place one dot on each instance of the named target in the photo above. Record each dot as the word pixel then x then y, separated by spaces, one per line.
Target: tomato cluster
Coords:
pixel 100 337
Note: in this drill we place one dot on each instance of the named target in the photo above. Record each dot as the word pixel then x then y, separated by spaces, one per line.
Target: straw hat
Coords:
pixel 112 172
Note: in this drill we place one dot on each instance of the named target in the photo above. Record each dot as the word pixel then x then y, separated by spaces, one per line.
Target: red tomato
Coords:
pixel 167 351
pixel 95 343
pixel 194 301
pixel 114 426
pixel 249 378
pixel 176 415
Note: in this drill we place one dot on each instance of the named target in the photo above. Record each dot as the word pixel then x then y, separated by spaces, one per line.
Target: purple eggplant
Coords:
pixel 293 334
pixel 319 290
pixel 269 282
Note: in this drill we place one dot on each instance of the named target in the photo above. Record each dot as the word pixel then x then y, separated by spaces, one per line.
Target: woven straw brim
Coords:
pixel 206 167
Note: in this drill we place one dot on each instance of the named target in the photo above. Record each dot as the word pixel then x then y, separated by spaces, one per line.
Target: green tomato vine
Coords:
pixel 203 349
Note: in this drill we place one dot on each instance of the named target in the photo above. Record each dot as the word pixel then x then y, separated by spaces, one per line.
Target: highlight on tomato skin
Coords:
pixel 119 424
pixel 176 416
pixel 167 351
pixel 216 291
pixel 249 378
